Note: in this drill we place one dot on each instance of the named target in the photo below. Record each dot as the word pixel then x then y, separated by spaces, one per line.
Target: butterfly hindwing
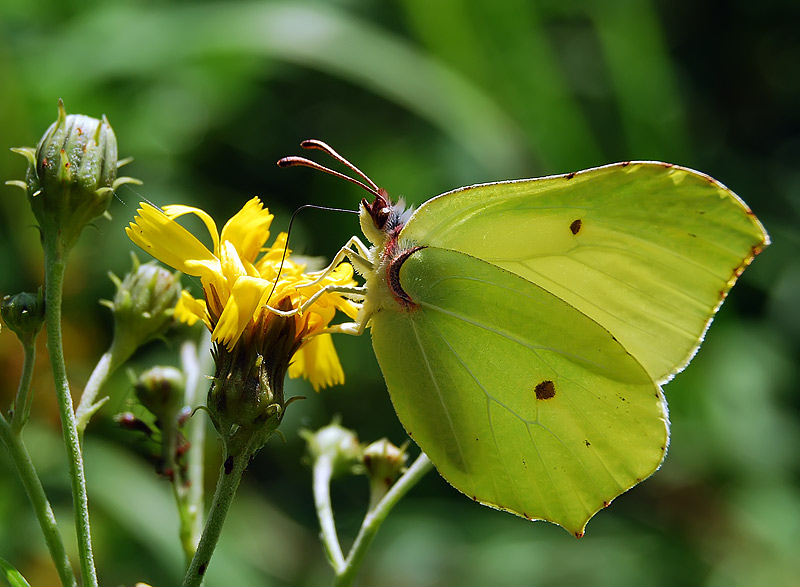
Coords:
pixel 521 401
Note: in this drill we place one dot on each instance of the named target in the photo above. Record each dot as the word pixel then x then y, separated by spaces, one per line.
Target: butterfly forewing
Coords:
pixel 647 250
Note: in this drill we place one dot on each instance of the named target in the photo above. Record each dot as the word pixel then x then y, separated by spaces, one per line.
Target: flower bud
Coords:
pixel 384 461
pixel 72 174
pixel 144 303
pixel 338 444
pixel 129 421
pixel 24 314
pixel 160 390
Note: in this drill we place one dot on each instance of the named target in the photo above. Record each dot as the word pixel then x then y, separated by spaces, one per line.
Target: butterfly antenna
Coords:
pixel 289 234
pixel 293 161
pixel 325 147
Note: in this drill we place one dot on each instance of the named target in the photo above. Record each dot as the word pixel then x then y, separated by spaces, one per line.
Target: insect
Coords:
pixel 524 328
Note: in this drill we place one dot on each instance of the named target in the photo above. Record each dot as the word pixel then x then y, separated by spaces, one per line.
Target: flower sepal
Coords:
pixel 246 399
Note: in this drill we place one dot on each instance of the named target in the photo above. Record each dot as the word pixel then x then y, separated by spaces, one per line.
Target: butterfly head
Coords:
pixel 378 218
pixel 381 219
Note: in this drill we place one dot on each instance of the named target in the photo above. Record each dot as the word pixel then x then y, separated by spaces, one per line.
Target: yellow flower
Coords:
pixel 238 275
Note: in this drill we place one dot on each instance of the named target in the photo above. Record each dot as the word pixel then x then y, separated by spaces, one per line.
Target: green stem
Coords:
pixel 186 518
pixel 55 265
pixel 235 460
pixel 41 506
pixel 376 516
pixel 323 471
pixel 197 362
pixel 22 402
pixel 86 408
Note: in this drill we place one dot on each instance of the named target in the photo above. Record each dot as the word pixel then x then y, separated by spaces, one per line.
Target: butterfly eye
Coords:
pixel 379 210
pixel 381 217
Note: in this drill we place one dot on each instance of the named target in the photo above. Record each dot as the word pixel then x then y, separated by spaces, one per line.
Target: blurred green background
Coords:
pixel 424 96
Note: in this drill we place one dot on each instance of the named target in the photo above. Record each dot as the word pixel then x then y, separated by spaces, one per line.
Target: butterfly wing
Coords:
pixel 522 402
pixel 648 250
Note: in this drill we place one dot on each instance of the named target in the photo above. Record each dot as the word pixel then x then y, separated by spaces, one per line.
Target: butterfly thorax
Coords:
pixel 382 223
pixel 381 220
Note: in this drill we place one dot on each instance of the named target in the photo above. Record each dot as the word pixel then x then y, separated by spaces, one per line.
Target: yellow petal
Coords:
pixel 248 229
pixel 169 242
pixel 239 309
pixel 202 267
pixel 232 267
pixel 178 210
pixel 318 362
pixel 190 310
pixel 270 261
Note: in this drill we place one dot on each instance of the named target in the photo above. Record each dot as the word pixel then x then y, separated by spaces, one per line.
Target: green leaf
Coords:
pixel 12 575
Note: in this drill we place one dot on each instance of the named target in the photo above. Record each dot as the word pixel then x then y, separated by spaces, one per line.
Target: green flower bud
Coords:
pixel 384 461
pixel 160 390
pixel 144 303
pixel 24 314
pixel 72 174
pixel 338 444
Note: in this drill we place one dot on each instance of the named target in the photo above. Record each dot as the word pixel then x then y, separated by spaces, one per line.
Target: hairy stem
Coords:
pixel 24 397
pixel 41 506
pixel 55 264
pixel 235 460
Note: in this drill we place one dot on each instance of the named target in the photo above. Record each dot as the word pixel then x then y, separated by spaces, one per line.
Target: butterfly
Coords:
pixel 524 328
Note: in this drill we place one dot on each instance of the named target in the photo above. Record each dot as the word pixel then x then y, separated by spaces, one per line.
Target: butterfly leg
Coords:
pixel 350 292
pixel 355 251
pixel 355 328
pixel 358 254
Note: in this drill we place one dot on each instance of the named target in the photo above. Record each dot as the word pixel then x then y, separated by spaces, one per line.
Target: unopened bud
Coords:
pixel 337 443
pixel 384 462
pixel 72 174
pixel 24 314
pixel 144 303
pixel 160 390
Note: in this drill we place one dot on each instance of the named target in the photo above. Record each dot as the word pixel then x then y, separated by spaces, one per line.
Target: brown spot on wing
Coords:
pixel 545 390
pixel 575 227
